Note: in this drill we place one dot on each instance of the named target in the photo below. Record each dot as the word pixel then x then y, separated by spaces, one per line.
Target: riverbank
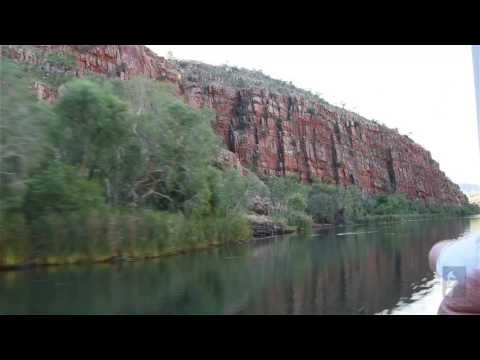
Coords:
pixel 112 237
pixel 53 261
pixel 390 219
pixel 262 228
pixel 387 219
pixel 57 262
pixel 241 279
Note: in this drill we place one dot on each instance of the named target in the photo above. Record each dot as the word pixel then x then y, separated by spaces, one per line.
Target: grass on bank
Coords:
pixel 100 235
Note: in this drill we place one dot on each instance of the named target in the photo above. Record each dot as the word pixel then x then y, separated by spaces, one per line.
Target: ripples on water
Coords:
pixel 351 270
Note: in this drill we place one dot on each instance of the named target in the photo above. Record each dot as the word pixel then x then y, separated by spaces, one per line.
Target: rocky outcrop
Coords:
pixel 264 226
pixel 271 131
pixel 260 205
pixel 283 135
pixel 123 61
pixel 227 160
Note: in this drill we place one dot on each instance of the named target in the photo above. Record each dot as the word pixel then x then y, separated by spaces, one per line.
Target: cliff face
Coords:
pixel 267 131
pixel 124 61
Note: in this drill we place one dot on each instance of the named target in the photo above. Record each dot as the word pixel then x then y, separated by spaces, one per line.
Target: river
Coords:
pixel 379 269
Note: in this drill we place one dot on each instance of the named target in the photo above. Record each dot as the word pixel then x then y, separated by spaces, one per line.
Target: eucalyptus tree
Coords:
pixel 24 140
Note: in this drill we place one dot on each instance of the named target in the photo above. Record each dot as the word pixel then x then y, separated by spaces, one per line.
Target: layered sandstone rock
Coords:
pixel 123 61
pixel 270 132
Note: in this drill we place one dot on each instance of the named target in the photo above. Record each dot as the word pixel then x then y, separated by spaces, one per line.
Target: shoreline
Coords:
pixel 116 259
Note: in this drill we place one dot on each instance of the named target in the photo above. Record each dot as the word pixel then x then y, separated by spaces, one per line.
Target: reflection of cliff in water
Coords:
pixel 358 273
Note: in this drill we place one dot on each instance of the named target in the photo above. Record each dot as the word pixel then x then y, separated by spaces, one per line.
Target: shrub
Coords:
pixel 60 188
pixel 333 204
pixel 289 201
pixel 387 204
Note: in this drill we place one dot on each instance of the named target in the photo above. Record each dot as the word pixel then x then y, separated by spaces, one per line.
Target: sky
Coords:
pixel 426 92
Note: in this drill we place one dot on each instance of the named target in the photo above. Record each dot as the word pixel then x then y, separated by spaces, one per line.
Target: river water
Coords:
pixel 379 269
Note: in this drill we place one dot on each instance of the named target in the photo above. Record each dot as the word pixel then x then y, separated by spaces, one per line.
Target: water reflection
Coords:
pixel 365 270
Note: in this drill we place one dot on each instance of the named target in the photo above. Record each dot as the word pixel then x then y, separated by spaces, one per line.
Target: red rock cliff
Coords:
pixel 273 133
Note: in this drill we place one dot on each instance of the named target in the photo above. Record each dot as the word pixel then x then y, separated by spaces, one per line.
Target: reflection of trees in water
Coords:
pixel 363 273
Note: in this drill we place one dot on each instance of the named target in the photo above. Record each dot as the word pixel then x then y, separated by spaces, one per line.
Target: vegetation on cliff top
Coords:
pixel 196 71
pixel 205 74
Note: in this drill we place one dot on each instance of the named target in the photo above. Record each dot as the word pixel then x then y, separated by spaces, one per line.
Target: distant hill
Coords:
pixel 470 188
pixel 475 198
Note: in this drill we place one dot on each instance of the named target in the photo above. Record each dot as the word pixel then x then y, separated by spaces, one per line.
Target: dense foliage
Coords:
pixel 288 198
pixel 110 152
pixel 60 188
pixel 332 204
pixel 24 141
pixel 125 169
pixel 339 205
pixel 242 78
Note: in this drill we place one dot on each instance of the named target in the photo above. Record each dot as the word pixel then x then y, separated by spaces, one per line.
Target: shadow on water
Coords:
pixel 351 270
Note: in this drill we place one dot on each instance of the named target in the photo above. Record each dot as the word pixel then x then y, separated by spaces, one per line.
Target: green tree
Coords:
pixel 93 123
pixel 178 144
pixel 289 200
pixel 334 204
pixel 352 202
pixel 61 188
pixel 389 204
pixel 93 132
pixel 24 123
pixel 322 202
pixel 231 191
